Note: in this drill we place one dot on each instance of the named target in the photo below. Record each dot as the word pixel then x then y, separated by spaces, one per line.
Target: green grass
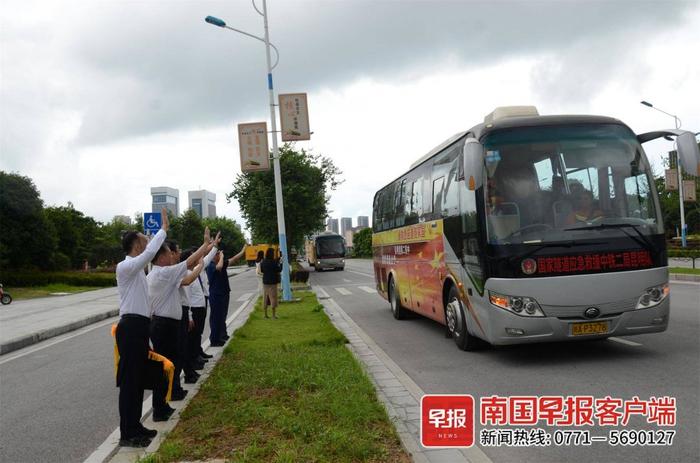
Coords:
pixel 285 390
pixel 33 292
pixel 687 271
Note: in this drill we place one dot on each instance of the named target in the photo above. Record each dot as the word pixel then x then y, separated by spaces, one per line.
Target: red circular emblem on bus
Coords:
pixel 529 266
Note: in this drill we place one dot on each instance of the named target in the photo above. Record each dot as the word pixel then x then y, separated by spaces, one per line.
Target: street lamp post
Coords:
pixel 677 122
pixel 286 290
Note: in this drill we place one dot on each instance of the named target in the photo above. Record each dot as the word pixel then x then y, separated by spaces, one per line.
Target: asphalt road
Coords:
pixel 58 400
pixel 661 364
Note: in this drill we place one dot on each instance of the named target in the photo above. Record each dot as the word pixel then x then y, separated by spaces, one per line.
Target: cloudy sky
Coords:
pixel 100 100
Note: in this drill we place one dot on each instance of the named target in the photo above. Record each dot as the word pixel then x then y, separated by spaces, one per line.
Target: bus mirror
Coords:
pixel 473 163
pixel 689 153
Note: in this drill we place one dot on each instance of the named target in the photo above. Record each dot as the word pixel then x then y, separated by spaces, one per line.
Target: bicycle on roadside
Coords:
pixel 5 298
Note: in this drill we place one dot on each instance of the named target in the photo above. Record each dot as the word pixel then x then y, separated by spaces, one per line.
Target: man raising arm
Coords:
pixel 132 332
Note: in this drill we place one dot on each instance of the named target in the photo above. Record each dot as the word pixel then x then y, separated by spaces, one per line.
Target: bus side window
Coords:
pixel 450 200
pixel 377 215
pixel 387 208
pixel 399 204
pixel 438 187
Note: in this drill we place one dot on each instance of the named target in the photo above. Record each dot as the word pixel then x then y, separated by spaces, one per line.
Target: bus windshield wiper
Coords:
pixel 643 240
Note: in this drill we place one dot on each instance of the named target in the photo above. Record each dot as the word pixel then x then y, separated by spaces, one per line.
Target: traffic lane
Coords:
pixel 656 368
pixel 59 403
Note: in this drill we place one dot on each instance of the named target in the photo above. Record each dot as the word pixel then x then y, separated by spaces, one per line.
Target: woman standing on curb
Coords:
pixel 271 269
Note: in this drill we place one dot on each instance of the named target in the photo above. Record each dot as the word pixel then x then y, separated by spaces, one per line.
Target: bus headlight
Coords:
pixel 519 305
pixel 653 296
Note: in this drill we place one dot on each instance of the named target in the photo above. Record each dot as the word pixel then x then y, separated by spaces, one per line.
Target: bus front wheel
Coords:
pixel 395 300
pixel 456 320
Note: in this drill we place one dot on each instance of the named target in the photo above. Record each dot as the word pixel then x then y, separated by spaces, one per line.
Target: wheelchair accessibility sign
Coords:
pixel 151 222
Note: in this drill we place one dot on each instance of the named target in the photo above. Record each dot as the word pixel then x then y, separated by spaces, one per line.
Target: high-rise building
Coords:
pixel 125 219
pixel 203 202
pixel 332 225
pixel 362 221
pixel 163 196
pixel 345 225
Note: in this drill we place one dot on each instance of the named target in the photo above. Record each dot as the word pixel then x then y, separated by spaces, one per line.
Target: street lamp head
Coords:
pixel 646 103
pixel 215 21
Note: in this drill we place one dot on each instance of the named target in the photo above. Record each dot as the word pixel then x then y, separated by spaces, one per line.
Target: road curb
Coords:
pixel 399 394
pixel 684 277
pixel 110 451
pixel 20 343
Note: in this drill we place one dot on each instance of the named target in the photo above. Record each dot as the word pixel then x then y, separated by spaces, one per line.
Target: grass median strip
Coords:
pixel 684 270
pixel 33 292
pixel 285 390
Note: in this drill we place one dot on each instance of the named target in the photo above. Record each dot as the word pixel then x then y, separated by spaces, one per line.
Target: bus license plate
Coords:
pixel 583 329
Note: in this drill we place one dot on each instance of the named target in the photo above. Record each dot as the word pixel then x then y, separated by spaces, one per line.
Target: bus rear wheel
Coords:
pixel 456 321
pixel 395 300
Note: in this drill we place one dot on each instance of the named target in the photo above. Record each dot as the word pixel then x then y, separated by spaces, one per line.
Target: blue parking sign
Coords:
pixel 151 222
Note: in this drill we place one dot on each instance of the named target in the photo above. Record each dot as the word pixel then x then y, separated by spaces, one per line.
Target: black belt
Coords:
pixel 134 315
pixel 165 319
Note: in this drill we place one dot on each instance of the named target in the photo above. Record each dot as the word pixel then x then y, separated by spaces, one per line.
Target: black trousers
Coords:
pixel 164 336
pixel 183 344
pixel 132 342
pixel 194 337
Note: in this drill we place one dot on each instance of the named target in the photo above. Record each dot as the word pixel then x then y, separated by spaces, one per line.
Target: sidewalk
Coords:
pixel 28 322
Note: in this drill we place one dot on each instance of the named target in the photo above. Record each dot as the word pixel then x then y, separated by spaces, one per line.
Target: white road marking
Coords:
pixel 343 291
pixel 360 273
pixel 45 344
pixel 244 297
pixel 367 289
pixel 322 292
pixel 625 341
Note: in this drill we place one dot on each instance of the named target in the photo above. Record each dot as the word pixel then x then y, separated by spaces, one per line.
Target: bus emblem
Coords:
pixel 529 266
pixel 591 312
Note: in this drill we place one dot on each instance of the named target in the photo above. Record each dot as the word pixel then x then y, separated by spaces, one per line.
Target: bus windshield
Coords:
pixel 330 247
pixel 559 183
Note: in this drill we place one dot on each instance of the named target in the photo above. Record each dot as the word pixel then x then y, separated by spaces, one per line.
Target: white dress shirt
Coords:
pixel 199 287
pixel 163 294
pixel 131 280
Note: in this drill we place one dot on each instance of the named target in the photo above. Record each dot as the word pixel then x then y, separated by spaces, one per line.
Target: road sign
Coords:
pixel 671 180
pixel 689 191
pixel 151 222
pixel 252 142
pixel 294 117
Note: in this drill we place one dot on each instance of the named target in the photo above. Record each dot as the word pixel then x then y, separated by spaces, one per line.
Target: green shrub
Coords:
pixel 36 278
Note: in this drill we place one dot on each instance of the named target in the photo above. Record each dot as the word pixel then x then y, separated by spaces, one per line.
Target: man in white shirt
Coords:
pixel 195 298
pixel 164 282
pixel 132 332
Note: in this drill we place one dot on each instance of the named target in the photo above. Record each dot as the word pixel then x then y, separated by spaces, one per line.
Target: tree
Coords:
pixel 670 209
pixel 362 243
pixel 27 238
pixel 306 183
pixel 232 239
pixel 76 234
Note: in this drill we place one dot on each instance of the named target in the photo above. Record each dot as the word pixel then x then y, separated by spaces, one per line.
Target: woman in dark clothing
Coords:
pixel 270 268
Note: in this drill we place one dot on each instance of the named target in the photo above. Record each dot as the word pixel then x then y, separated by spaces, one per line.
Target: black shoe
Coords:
pixel 226 336
pixel 201 359
pixel 164 414
pixel 205 356
pixel 144 431
pixel 178 395
pixel 191 379
pixel 136 441
pixel 218 343
pixel 198 366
